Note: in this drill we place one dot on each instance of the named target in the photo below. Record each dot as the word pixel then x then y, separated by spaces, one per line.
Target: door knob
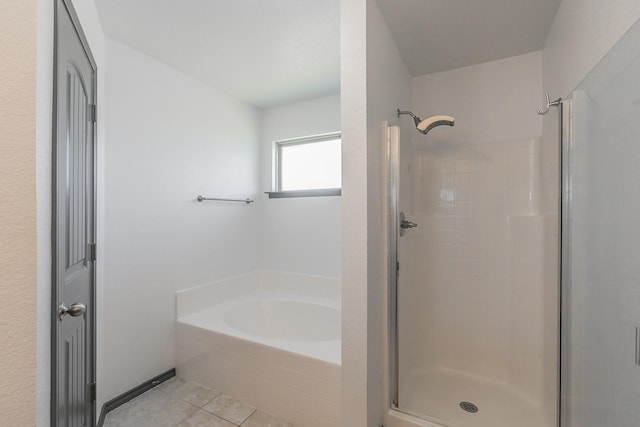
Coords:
pixel 75 310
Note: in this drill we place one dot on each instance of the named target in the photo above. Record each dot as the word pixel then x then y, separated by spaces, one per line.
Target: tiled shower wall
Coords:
pixel 473 272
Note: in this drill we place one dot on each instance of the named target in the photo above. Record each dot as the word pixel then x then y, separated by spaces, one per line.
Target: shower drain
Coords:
pixel 469 407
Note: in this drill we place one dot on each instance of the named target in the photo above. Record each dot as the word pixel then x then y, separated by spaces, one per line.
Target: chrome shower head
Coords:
pixel 424 126
pixel 428 124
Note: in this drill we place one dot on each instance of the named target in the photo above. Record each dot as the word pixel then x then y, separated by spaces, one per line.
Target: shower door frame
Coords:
pixel 393 164
pixel 392 161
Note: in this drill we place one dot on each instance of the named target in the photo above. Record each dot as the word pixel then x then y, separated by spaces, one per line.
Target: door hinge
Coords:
pixel 93 392
pixel 91 251
pixel 91 113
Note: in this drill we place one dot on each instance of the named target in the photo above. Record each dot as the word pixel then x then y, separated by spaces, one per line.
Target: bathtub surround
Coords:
pixel 269 338
pixel 293 312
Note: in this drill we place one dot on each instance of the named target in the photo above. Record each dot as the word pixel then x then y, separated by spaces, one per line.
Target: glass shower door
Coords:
pixel 601 369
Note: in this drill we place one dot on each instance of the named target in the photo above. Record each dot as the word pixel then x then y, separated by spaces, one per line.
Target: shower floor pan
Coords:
pixel 438 394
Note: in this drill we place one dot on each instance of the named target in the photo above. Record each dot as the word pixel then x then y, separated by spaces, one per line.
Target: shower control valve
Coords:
pixel 404 224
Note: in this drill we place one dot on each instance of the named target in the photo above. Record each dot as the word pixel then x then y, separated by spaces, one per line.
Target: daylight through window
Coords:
pixel 311 163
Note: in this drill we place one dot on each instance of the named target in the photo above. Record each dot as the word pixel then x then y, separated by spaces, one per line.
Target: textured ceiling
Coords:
pixel 439 35
pixel 267 53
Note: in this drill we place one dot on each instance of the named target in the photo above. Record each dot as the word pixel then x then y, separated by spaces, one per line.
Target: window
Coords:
pixel 310 166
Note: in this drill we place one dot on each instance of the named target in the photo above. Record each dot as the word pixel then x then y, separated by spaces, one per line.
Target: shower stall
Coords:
pixel 474 279
pixel 513 295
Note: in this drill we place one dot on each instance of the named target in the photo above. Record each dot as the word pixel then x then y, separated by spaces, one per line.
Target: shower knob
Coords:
pixel 404 224
pixel 408 224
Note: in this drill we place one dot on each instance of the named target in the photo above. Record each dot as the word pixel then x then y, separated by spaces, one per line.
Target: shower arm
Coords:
pixel 416 119
pixel 409 113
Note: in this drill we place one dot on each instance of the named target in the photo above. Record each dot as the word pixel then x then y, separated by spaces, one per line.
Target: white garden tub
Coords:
pixel 271 339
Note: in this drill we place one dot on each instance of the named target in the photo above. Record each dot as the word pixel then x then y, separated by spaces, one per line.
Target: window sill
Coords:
pixel 305 193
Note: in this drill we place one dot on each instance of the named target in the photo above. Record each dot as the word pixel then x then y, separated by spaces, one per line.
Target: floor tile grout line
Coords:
pixel 188 416
pixel 200 406
pixel 209 401
pixel 223 418
pixel 245 420
pixel 192 415
pixel 175 395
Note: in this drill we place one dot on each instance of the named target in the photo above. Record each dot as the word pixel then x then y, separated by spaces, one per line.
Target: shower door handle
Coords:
pixel 404 224
pixel 408 224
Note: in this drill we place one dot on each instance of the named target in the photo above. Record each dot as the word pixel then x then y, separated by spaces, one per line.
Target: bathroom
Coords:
pixel 495 276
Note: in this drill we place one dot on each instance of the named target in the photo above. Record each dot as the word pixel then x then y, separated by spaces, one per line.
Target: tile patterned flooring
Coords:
pixel 177 403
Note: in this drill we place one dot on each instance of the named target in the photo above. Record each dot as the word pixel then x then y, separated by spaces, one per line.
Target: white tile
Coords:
pixel 463 166
pixel 447 166
pixel 463 194
pixel 447 180
pixel 463 180
pixel 463 208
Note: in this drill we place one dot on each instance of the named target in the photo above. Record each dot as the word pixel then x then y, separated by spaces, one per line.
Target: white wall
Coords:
pixel 171 138
pixel 353 108
pixel 494 101
pixel 300 235
pixel 17 212
pixel 583 31
pixel 88 16
pixel 367 50
pixel 388 88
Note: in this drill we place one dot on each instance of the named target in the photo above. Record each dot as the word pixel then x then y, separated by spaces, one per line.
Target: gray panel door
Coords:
pixel 73 226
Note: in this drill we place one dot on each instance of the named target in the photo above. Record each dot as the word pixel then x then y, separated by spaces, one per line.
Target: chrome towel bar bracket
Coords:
pixel 202 199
